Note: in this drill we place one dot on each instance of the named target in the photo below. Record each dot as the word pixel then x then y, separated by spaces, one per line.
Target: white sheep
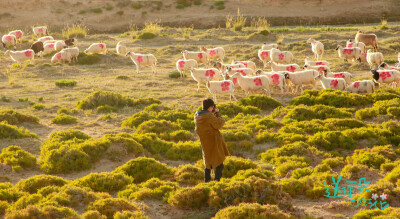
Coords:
pixel 266 46
pixel 247 64
pixel 121 49
pixel 251 84
pixel 21 56
pixel 17 33
pixel 363 57
pixel 74 53
pixel 301 78
pixel 143 60
pixel 275 79
pixel 364 86
pixel 214 53
pixel 384 65
pixel 308 61
pixel 9 41
pixel 49 41
pixel 278 56
pixel 348 77
pixel 317 48
pixel 62 57
pixel 45 38
pixel 349 53
pixel 97 48
pixel 223 67
pixel 48 48
pixel 201 74
pixel 200 57
pixel 276 67
pixel 242 71
pixel 333 83
pixel 216 87
pixel 319 68
pixel 361 45
pixel 263 55
pixel 185 65
pixel 387 77
pixel 40 31
pixel 374 58
pixel 59 45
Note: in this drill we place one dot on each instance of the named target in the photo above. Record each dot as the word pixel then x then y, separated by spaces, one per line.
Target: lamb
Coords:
pixel 40 31
pixel 215 53
pixel 263 55
pixel 278 56
pixel 59 45
pixel 308 61
pixel 367 39
pixel 386 76
pixel 97 48
pixel 361 45
pixel 17 33
pixel 200 75
pixel 345 75
pixel 266 46
pixel 21 56
pixel 9 41
pixel 121 49
pixel 38 48
pixel 302 77
pixel 317 48
pixel 349 53
pixel 48 48
pixel 200 57
pixel 364 86
pixel 225 86
pixel 275 79
pixel 374 58
pixel 224 67
pixel 247 64
pixel 62 57
pixel 319 68
pixel 333 83
pixel 290 67
pixel 45 38
pixel 74 53
pixel 251 84
pixel 185 65
pixel 384 65
pixel 143 60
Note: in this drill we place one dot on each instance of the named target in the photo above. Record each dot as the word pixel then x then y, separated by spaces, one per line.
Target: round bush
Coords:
pixel 104 182
pixel 15 156
pixel 34 183
pixel 146 36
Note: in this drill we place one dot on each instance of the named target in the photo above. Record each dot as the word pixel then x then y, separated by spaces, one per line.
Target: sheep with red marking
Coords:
pixel 367 39
pixel 201 74
pixel 349 53
pixel 9 41
pixel 387 77
pixel 223 67
pixel 333 83
pixel 59 45
pixel 45 38
pixel 214 53
pixel 200 57
pixel 364 86
pixel 74 53
pixel 374 58
pixel 48 48
pixel 218 87
pixel 266 46
pixel 301 78
pixel 317 48
pixel 62 57
pixel 319 68
pixel 247 64
pixel 143 60
pixel 242 71
pixel 384 65
pixel 275 79
pixel 276 67
pixel 348 77
pixel 17 33
pixel 185 65
pixel 251 84
pixel 361 45
pixel 40 31
pixel 97 48
pixel 38 48
pixel 21 56
pixel 282 57
pixel 263 55
pixel 308 61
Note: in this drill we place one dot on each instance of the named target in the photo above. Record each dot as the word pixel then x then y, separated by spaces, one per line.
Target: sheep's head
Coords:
pixel 350 40
pixel 369 51
pixel 305 66
pixel 268 64
pixel 7 52
pixel 338 47
pixel 218 65
pixel 325 71
pixel 229 68
pixel 191 68
pixel 286 74
pixel 204 49
pixel 317 77
pixel 258 72
pixel 375 74
pixel 359 31
pixel 310 40
pixel 128 53
pixel 383 65
pixel 307 59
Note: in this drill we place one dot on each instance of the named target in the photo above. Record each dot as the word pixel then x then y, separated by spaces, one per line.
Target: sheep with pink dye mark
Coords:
pixel 247 64
pixel 276 79
pixel 40 31
pixel 348 77
pixel 200 57
pixel 218 87
pixel 185 65
pixel 349 53
pixel 332 83
pixel 21 56
pixel 45 38
pixel 364 86
pixel 9 41
pixel 143 60
pixel 282 57
pixel 214 53
pixel 97 48
pixel 201 75
pixel 224 67
pixel 61 57
pixel 18 34
pixel 289 67
pixel 250 84
pixel 308 61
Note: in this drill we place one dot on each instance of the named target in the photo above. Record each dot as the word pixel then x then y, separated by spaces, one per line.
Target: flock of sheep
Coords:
pixel 226 78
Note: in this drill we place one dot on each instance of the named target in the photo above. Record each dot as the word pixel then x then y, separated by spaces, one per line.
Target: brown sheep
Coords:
pixel 367 39
pixel 38 48
pixel 69 42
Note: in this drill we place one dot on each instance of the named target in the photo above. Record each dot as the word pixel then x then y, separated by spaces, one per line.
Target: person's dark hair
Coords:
pixel 207 103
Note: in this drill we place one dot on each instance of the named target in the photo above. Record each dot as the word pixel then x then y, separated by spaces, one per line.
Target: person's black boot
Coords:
pixel 207 175
pixel 218 172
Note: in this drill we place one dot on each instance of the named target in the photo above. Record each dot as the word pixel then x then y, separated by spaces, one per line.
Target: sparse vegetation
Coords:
pixel 75 31
pixel 65 83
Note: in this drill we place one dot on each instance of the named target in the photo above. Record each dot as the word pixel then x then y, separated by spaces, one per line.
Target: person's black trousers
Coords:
pixel 217 172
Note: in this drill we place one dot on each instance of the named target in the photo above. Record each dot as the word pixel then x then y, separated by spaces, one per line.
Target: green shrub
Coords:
pixel 13 132
pixel 331 97
pixel 393 176
pixel 103 98
pixel 137 119
pixel 15 156
pixel 353 171
pixel 65 83
pixel 252 210
pixel 120 13
pixel 38 106
pixel 137 5
pixel 11 194
pixel 297 148
pixel 301 113
pixel 189 174
pixel 185 151
pixel 75 31
pixel 5 99
pixel 88 59
pixel 157 126
pixel 331 140
pixel 91 214
pixel 106 109
pixel 394 111
pixel 122 77
pixel 366 113
pixel 373 157
pixel 152 143
pixel 333 162
pixel 50 211
pixel 14 118
pixel 64 119
pixel 181 135
pixel 260 101
pixel 232 109
pixel 97 10
pixel 299 173
pixel 378 213
pixel 175 74
pixel 34 183
pixel 146 36
pixel 152 188
pixel 104 182
pixel 110 206
pixel 191 197
pixel 233 164
pixel 142 169
pixel 3 207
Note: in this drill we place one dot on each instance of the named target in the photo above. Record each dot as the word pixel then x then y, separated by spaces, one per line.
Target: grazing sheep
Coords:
pixel 200 57
pixel 215 53
pixel 348 77
pixel 253 83
pixel 49 41
pixel 290 67
pixel 59 45
pixel 9 41
pixel 374 58
pixel 17 33
pixel 308 61
pixel 223 67
pixel 48 48
pixel 74 53
pixel 364 86
pixel 386 76
pixel 319 68
pixel 45 38
pixel 62 57
pixel 97 48
pixel 302 77
pixel 278 56
pixel 216 87
pixel 200 75
pixel 247 64
pixel 143 60
pixel 333 83
pixel 275 79
pixel 21 56
pixel 317 48
pixel 121 49
pixel 384 65
pixel 266 46
pixel 38 48
pixel 361 45
pixel 40 31
pixel 263 55
pixel 367 39
pixel 349 53
pixel 185 65
pixel 243 71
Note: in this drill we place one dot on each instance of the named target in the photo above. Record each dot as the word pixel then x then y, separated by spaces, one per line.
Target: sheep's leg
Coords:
pixel 215 97
pixel 198 86
pixel 281 90
pixel 137 69
pixel 232 95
